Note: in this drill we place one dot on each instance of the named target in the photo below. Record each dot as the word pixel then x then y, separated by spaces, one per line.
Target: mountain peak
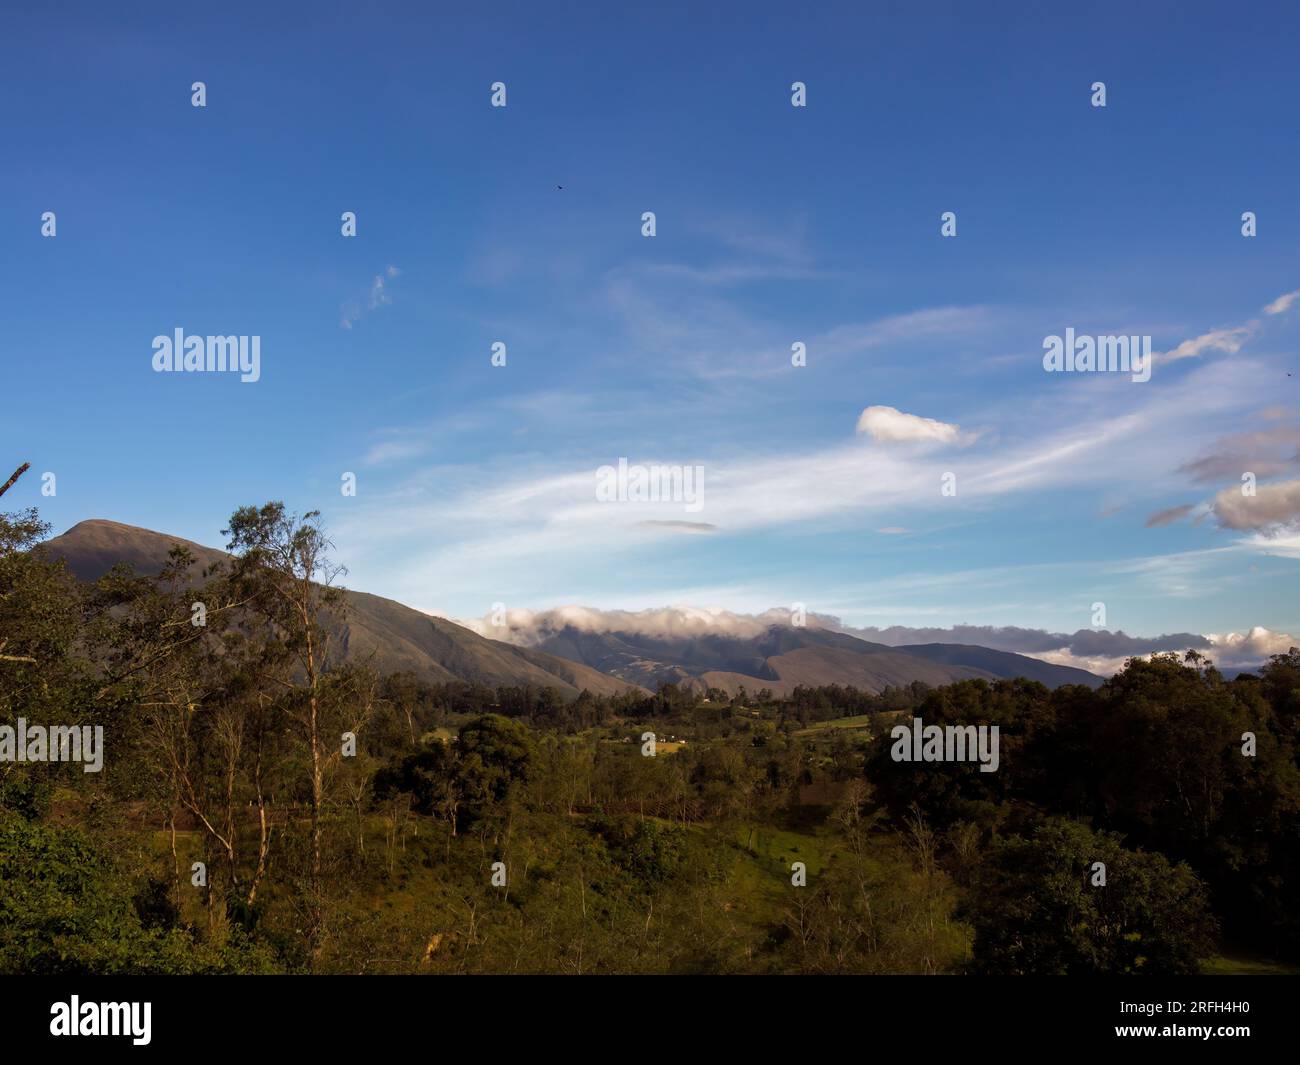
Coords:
pixel 389 636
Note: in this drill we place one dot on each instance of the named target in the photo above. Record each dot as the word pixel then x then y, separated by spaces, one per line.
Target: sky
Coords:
pixel 477 485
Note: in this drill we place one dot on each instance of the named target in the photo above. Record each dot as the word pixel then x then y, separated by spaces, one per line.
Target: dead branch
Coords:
pixel 14 476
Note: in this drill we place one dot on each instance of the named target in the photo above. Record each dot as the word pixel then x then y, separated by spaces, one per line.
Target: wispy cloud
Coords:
pixel 393 451
pixel 511 512
pixel 681 526
pixel 1230 340
pixel 1264 452
pixel 377 296
pixel 924 324
pixel 1282 303
pixel 1167 517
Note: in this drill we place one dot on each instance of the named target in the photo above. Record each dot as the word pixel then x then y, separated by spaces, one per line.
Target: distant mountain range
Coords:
pixel 396 638
pixel 784 657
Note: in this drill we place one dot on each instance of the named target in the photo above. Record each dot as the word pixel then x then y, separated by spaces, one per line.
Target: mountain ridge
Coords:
pixel 784 657
pixel 396 638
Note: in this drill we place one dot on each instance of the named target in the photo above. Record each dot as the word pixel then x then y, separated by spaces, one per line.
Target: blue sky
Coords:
pixel 775 224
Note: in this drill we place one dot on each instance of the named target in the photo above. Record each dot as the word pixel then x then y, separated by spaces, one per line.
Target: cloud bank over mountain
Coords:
pixel 1096 650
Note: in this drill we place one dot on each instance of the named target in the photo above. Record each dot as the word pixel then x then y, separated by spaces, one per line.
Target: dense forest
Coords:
pixel 263 809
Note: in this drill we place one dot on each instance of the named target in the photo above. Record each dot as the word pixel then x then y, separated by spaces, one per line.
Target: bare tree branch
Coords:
pixel 14 476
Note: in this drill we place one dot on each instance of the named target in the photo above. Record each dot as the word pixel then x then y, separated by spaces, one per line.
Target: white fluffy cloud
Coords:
pixel 1230 652
pixel 889 425
pixel 530 627
pixel 1244 649
pixel 1273 507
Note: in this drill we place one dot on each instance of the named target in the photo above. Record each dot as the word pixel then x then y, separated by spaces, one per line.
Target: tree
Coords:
pixel 44 676
pixel 283 571
pixel 1036 908
pixel 479 771
pixel 494 753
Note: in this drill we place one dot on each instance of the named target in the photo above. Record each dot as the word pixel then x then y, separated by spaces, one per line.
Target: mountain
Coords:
pixel 1002 663
pixel 781 658
pixel 396 638
pixel 392 637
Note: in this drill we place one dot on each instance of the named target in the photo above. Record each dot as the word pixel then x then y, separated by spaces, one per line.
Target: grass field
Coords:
pixel 1243 965
pixel 861 721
